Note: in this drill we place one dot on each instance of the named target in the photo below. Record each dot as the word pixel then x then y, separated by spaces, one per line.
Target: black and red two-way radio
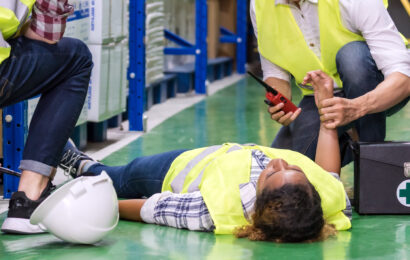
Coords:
pixel 274 97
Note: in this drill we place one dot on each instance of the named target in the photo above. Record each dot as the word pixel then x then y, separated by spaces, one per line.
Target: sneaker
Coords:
pixel 20 210
pixel 71 159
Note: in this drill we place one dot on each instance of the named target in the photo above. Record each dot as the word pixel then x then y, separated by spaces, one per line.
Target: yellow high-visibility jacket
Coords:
pixel 281 41
pixel 217 171
pixel 13 14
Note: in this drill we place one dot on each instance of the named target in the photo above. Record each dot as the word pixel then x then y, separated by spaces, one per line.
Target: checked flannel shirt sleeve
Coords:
pixel 49 18
pixel 187 211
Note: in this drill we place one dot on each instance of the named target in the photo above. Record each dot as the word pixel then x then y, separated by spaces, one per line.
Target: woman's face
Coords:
pixel 277 173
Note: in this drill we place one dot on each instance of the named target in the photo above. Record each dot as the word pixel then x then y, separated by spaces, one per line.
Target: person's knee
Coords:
pixel 81 54
pixel 85 54
pixel 356 66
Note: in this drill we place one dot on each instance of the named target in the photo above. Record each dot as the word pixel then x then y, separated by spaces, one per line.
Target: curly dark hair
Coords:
pixel 291 213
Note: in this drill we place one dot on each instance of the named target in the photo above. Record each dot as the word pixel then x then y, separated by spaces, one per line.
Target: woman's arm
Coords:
pixel 327 151
pixel 131 209
pixel 186 210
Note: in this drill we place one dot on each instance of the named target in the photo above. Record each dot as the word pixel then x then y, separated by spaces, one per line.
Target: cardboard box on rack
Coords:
pixel 116 19
pixel 99 21
pixel 107 87
pixel 125 64
pixel 155 40
pixel 125 17
pixel 115 87
pixel 98 88
pixel 78 24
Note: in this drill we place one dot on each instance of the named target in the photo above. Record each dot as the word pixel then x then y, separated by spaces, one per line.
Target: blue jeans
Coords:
pixel 142 177
pixel 359 74
pixel 60 73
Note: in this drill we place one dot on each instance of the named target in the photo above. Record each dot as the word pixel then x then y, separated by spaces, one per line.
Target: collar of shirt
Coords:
pixel 248 190
pixel 287 2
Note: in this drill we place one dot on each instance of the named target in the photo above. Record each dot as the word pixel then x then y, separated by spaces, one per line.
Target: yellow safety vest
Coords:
pixel 13 13
pixel 217 171
pixel 281 41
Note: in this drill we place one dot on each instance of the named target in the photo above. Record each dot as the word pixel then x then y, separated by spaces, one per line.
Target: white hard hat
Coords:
pixel 81 211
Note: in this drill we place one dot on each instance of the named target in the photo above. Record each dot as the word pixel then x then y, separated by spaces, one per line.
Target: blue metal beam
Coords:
pixel 13 143
pixel 240 38
pixel 228 39
pixel 225 31
pixel 136 70
pixel 179 51
pixel 177 39
pixel 241 31
pixel 201 32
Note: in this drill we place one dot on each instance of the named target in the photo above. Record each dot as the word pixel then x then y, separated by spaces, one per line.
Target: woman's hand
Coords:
pixel 327 151
pixel 322 85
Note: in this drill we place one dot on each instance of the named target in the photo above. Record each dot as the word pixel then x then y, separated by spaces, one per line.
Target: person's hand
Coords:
pixel 279 116
pixel 335 112
pixel 34 36
pixel 322 85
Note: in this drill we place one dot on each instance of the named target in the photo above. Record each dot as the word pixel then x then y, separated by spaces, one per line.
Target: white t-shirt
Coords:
pixel 368 18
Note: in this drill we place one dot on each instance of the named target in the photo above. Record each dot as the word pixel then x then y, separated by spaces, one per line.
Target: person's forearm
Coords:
pixel 395 88
pixel 327 151
pixel 29 33
pixel 131 209
pixel 280 85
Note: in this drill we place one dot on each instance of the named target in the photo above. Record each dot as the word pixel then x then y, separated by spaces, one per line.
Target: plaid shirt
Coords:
pixel 190 211
pixel 49 18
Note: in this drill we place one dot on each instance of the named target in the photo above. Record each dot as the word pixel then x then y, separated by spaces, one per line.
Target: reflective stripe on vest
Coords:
pixel 281 41
pixel 213 176
pixel 178 183
pixel 4 49
pixel 194 186
pixel 235 147
pixel 13 14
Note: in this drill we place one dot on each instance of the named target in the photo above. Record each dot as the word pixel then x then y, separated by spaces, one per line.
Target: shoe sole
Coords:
pixel 20 226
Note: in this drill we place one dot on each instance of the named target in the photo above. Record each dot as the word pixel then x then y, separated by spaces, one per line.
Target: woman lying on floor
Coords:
pixel 248 190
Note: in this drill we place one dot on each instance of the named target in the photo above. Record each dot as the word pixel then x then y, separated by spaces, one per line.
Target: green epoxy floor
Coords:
pixel 235 114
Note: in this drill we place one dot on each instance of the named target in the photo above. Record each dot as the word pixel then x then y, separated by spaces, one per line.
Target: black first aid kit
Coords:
pixel 382 178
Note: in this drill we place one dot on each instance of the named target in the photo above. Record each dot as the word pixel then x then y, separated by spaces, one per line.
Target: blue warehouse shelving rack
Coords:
pixel 136 72
pixel 199 49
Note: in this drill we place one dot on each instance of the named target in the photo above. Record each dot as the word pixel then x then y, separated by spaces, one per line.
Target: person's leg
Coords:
pixel 359 74
pixel 142 177
pixel 301 135
pixel 60 72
